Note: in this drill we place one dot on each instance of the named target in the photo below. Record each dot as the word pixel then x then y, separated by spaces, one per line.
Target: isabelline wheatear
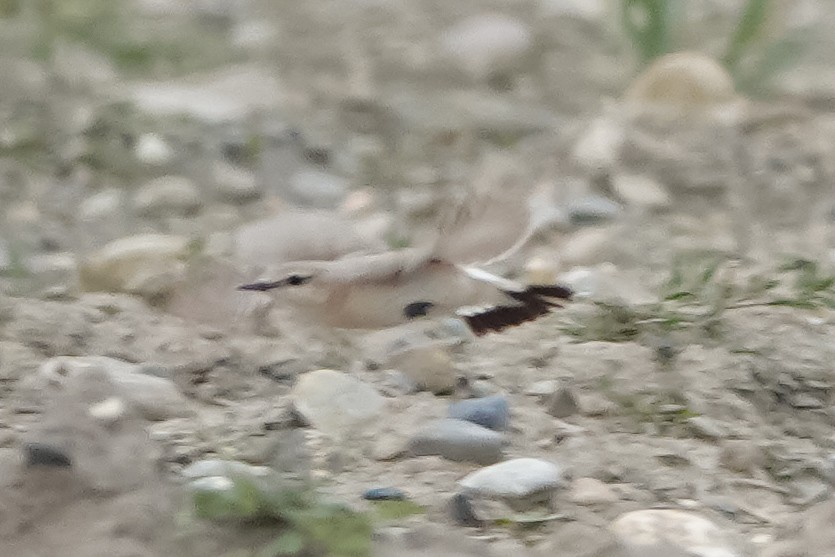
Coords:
pixel 381 290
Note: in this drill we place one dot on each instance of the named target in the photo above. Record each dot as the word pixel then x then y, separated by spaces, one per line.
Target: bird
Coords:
pixel 443 278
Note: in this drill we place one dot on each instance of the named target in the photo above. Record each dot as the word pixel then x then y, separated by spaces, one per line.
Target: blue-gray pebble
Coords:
pixel 492 412
pixel 384 494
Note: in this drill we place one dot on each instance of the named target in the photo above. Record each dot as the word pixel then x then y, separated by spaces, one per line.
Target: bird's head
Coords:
pixel 295 278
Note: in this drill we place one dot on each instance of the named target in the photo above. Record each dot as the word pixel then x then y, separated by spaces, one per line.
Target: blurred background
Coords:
pixel 156 153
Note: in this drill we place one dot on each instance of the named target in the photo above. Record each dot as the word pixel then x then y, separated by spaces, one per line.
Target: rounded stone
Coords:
pixel 492 412
pixel 517 479
pixel 671 533
pixel 332 401
pixel 458 440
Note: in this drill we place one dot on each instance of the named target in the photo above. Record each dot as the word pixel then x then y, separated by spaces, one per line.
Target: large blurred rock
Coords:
pixel 155 398
pixel 149 265
pixel 671 533
pixel 167 196
pixel 682 81
pixel 488 44
pixel 82 486
pixel 519 481
pixel 230 94
pixel 332 401
pixel 457 440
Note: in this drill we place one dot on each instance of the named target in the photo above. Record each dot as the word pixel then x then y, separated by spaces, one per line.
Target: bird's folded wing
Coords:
pixel 376 268
pixel 492 219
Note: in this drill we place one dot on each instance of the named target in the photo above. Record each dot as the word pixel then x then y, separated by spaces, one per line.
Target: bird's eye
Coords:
pixel 296 280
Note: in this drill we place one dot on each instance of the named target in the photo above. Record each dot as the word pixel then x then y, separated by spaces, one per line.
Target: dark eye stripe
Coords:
pixel 296 280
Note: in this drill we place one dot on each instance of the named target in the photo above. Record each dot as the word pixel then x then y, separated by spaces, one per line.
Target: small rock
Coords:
pixel 388 447
pixel 563 403
pixel 397 383
pixel 683 81
pixel 543 388
pixel 591 491
pixel 332 401
pixel 462 511
pixel 317 188
pixel 167 196
pixel 520 480
pixel 102 205
pixel 146 264
pixel 488 44
pixel 153 150
pixel 235 184
pixel 641 191
pixel 109 411
pixel 741 455
pixel 428 364
pixel 593 210
pixel 40 454
pixel 599 148
pixel 707 428
pixel 155 398
pixel 384 494
pixel 671 533
pixel 457 440
pixel 491 412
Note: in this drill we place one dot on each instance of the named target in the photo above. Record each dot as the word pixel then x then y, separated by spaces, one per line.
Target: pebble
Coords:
pixel 153 149
pixel 542 388
pixel 462 511
pixel 235 184
pixel 384 494
pixel 109 411
pixel 143 264
pixel 102 205
pixel 40 454
pixel 593 210
pixel 670 532
pixel 486 44
pixel 332 401
pixel 529 480
pixel 317 188
pixel 428 364
pixel 167 196
pixel 563 403
pixel 683 81
pixel 599 148
pixel 457 440
pixel 388 447
pixel 492 412
pixel 155 398
pixel 707 428
pixel 228 94
pixel 741 455
pixel 641 191
pixel 591 491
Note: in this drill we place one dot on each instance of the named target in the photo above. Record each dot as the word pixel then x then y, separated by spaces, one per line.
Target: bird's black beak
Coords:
pixel 261 286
